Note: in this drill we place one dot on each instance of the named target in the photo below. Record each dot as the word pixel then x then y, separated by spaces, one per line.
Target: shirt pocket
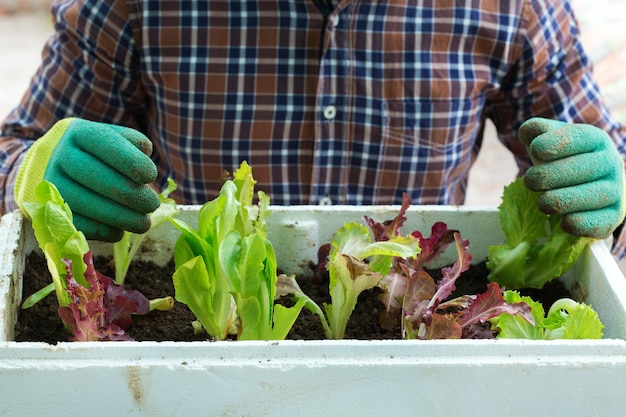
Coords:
pixel 427 148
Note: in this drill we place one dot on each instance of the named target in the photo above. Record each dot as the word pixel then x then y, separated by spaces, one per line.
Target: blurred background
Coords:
pixel 25 25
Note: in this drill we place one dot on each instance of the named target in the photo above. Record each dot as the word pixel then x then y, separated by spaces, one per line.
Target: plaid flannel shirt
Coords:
pixel 354 102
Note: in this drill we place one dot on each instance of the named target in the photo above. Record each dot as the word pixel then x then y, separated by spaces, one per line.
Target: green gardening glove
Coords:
pixel 580 174
pixel 101 171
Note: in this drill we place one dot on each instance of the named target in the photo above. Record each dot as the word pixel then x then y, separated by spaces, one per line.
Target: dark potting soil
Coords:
pixel 41 322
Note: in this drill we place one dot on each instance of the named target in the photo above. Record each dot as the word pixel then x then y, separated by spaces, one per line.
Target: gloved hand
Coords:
pixel 101 171
pixel 580 174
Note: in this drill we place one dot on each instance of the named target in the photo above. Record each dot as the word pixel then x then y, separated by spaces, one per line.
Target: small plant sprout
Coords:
pixel 125 249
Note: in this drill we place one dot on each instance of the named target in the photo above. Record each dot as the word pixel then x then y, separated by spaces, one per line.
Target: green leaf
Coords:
pixel 38 296
pixel 57 237
pixel 566 319
pixel 287 285
pixel 193 287
pixel 196 244
pixel 537 250
pixel 229 256
pixel 284 319
pixel 207 218
pixel 253 270
pixel 250 314
pixel 519 217
pixel 577 321
pixel 243 261
pixel 515 326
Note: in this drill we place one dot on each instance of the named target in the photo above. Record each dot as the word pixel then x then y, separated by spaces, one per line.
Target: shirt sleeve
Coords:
pixel 89 70
pixel 551 76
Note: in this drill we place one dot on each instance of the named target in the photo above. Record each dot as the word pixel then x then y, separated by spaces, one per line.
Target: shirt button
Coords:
pixel 330 112
pixel 326 201
pixel 336 21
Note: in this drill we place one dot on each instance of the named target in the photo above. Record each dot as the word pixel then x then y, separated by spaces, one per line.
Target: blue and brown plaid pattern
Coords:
pixel 355 102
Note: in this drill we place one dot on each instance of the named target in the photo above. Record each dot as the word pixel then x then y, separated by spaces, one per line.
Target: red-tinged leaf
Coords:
pixel 322 260
pixel 394 289
pixel 85 330
pixel 120 312
pixel 390 228
pixel 119 303
pixel 104 310
pixel 459 303
pixel 122 304
pixel 491 304
pixel 447 284
pixel 441 327
pixel 420 290
pixel 440 238
pixel 91 308
pixel 115 334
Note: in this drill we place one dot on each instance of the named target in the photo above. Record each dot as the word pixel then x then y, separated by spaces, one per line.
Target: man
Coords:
pixel 341 103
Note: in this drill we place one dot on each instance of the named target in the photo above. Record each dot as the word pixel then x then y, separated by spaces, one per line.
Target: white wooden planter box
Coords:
pixel 319 378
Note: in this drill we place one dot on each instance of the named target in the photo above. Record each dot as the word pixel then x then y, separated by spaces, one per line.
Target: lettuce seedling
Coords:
pixel 251 267
pixel 102 311
pixel 125 249
pixel 199 281
pixel 226 269
pixel 423 303
pixel 426 313
pixel 566 319
pixel 356 263
pixel 58 239
pixel 410 292
pixel 537 250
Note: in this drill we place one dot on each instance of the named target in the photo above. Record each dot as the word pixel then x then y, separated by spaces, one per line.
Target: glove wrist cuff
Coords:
pixel 34 165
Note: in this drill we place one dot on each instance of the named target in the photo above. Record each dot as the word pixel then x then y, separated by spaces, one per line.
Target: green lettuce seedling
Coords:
pixel 58 239
pixel 226 269
pixel 356 263
pixel 251 266
pixel 537 250
pixel 566 319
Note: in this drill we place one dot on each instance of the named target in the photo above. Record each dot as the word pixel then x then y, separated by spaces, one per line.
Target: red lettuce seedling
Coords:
pixel 410 291
pixel 101 312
